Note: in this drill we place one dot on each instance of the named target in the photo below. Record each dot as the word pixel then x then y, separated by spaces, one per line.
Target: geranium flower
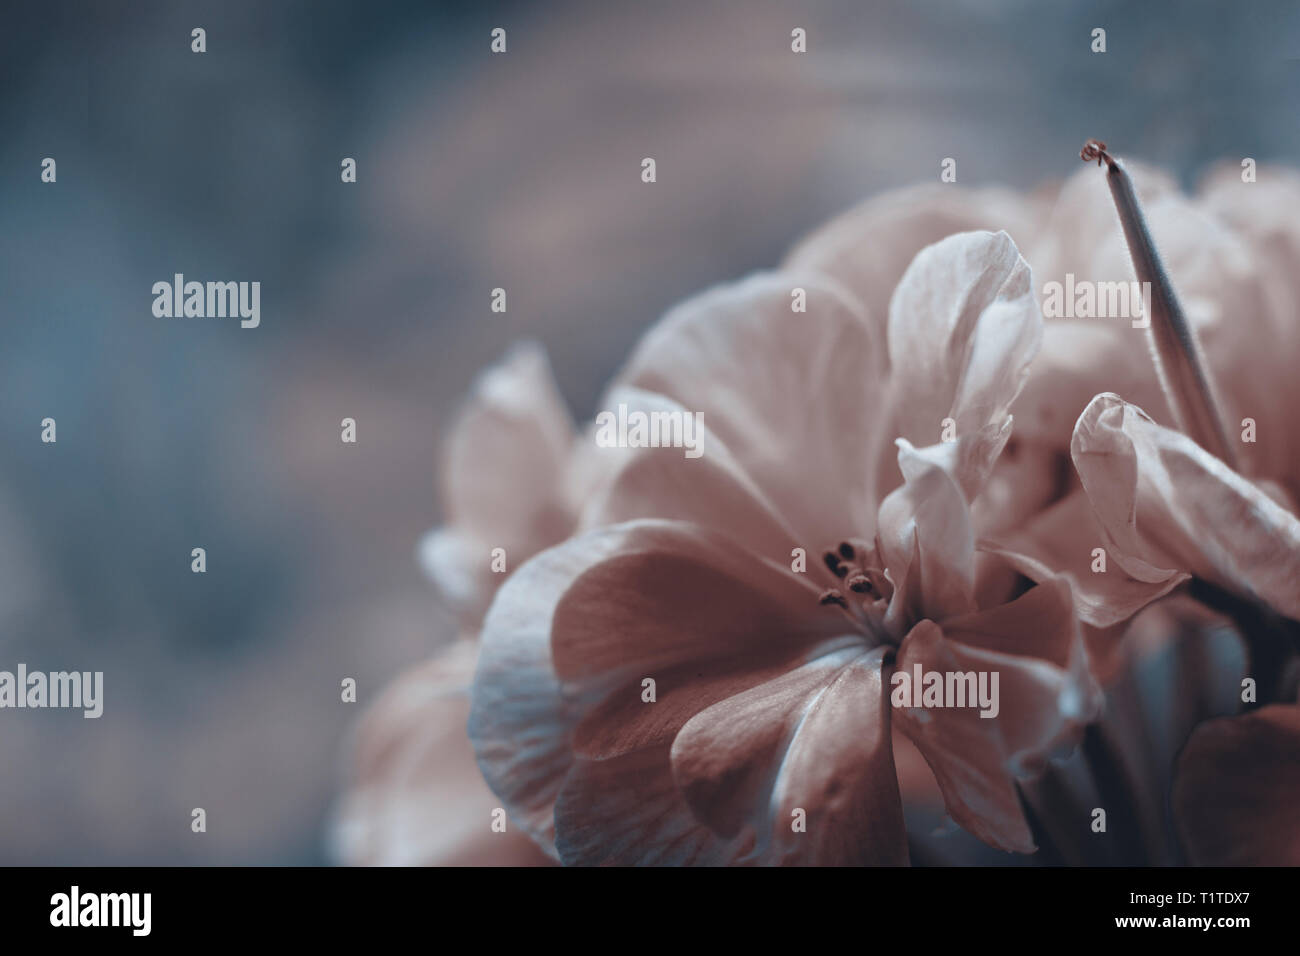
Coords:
pixel 771 681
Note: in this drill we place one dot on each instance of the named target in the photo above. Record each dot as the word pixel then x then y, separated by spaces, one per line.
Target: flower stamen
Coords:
pixel 833 563
pixel 859 583
pixel 833 596
pixel 855 564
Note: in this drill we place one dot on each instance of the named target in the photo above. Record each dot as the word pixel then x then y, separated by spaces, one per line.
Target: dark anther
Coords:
pixel 832 597
pixel 846 551
pixel 1094 149
pixel 860 583
pixel 833 562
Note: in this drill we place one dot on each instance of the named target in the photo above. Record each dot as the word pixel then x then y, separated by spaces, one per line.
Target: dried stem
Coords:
pixel 1178 359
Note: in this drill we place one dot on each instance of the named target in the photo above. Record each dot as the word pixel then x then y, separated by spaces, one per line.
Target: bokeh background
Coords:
pixel 475 171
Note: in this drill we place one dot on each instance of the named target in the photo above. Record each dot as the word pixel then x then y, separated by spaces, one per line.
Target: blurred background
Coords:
pixel 474 171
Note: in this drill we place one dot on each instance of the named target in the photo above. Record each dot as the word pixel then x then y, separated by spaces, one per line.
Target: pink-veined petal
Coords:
pixel 803 759
pixel 678 593
pixel 520 718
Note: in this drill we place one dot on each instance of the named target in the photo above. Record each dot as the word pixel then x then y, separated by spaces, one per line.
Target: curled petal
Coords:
pixel 925 537
pixel 1163 502
pixel 969 458
pixel 963 327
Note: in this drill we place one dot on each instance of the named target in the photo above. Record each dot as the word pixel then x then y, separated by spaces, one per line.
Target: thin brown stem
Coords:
pixel 1178 359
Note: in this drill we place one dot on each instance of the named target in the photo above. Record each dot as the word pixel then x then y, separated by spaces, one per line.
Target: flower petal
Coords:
pixel 869 247
pixel 1060 541
pixel 805 760
pixel 1080 356
pixel 1163 502
pixel 712 490
pixel 963 327
pixel 1235 791
pixel 513 423
pixel 417 796
pixel 1044 699
pixel 1026 477
pixel 600 610
pixel 678 593
pixel 520 720
pixel 625 721
pixel 462 570
pixel 924 536
pixel 969 458
pixel 778 386
pixel 627 811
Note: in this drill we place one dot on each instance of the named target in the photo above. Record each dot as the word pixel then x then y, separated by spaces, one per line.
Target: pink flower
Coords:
pixel 772 699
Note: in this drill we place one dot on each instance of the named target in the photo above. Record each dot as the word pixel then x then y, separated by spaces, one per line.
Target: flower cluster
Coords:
pixel 910 481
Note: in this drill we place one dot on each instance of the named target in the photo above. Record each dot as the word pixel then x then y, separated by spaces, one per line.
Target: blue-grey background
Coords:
pixel 475 171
